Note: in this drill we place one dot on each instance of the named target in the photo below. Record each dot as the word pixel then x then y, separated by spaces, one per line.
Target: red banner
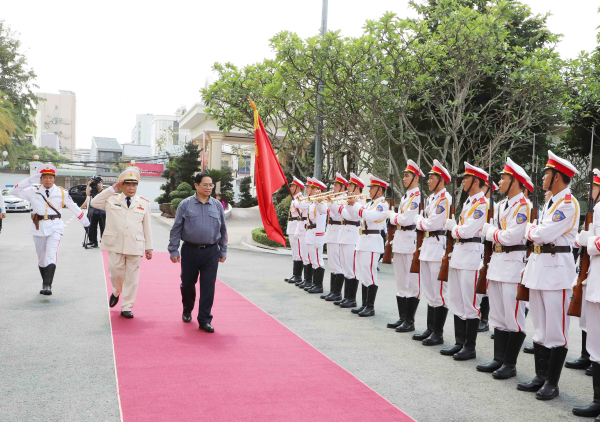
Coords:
pixel 152 170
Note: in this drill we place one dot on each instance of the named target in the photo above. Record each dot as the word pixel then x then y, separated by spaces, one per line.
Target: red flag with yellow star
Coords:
pixel 269 177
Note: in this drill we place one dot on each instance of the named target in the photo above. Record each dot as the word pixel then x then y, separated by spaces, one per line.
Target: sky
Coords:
pixel 128 57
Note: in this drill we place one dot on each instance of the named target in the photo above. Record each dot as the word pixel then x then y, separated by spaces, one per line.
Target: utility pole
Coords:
pixel 318 137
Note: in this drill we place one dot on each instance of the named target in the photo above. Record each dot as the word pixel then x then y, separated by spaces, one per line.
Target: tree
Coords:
pixel 7 124
pixel 184 190
pixel 246 200
pixel 179 169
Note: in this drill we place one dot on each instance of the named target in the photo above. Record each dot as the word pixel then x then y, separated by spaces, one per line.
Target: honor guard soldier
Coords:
pixel 508 260
pixel 484 307
pixel 432 224
pixel 47 226
pixel 349 233
pixel 591 240
pixel 403 247
pixel 127 237
pixel 548 274
pixel 315 237
pixel 370 243
pixel 300 234
pixel 332 237
pixel 294 218
pixel 465 264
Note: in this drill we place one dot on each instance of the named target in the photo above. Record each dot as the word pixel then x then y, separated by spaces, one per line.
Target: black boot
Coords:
pixel 338 282
pixel 439 319
pixel 582 362
pixel 43 274
pixel 412 303
pixel 484 308
pixel 371 295
pixel 500 344
pixel 429 330
pixel 550 388
pixel 289 278
pixel 49 277
pixel 542 361
pixel 298 267
pixel 590 371
pixel 300 282
pixel 401 302
pixel 308 276
pixel 460 333
pixel 365 293
pixel 346 290
pixel 594 408
pixel 332 278
pixel 352 289
pixel 509 368
pixel 317 286
pixel 528 350
pixel 468 350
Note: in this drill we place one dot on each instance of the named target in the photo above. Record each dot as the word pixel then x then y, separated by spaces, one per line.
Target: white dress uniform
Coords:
pixel 128 234
pixel 51 227
pixel 548 274
pixel 294 218
pixel 300 232
pixel 370 245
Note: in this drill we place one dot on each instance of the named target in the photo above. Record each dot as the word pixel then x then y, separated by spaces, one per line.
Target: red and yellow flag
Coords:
pixel 269 177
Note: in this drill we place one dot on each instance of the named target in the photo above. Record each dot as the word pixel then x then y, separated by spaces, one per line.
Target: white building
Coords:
pixel 50 140
pixel 137 151
pixel 56 114
pixel 141 132
pixel 105 150
pixel 167 136
pixel 81 155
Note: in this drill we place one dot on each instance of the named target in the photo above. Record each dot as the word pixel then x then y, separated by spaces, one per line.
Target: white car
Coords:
pixel 14 204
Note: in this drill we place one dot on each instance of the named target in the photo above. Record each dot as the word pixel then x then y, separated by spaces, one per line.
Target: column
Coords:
pixel 216 147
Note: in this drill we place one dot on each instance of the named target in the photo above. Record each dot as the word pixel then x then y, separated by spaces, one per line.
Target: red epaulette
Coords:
pixel 482 199
pixel 523 201
pixel 443 195
pixel 568 198
pixel 417 193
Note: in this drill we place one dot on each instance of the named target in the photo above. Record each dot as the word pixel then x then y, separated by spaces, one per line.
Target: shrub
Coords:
pixel 183 191
pixel 283 210
pixel 260 236
pixel 246 199
pixel 175 203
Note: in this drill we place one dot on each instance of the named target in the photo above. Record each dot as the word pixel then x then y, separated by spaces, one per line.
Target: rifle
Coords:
pixel 481 287
pixel 415 266
pixel 387 255
pixel 584 257
pixel 522 291
pixel 445 268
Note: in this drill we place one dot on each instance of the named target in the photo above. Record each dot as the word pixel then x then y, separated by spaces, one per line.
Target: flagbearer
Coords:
pixel 300 234
pixel 332 237
pixel 403 247
pixel 370 243
pixel 432 251
pixel 47 227
pixel 465 264
pixel 296 188
pixel 591 240
pixel 504 272
pixel 349 233
pixel 548 274
pixel 315 236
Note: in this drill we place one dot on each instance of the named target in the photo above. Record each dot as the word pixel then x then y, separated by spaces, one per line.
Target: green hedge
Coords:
pixel 260 236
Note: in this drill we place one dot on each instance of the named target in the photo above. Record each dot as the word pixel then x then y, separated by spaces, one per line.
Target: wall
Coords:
pixel 55 115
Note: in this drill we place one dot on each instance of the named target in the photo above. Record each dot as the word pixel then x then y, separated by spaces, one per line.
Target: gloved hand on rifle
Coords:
pixel 391 214
pixel 486 227
pixel 450 224
pixel 418 218
pixel 583 283
pixel 584 236
pixel 489 234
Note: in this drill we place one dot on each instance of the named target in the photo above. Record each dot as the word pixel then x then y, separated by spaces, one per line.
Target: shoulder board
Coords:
pixel 443 195
pixel 568 198
pixel 523 201
pixel 147 200
pixel 482 200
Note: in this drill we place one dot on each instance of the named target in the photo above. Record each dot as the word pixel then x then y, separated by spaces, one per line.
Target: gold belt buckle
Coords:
pixel 45 217
pixel 498 248
pixel 537 249
pixel 360 231
pixel 426 234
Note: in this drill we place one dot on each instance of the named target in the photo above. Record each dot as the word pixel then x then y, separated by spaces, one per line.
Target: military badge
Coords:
pixel 440 209
pixel 477 214
pixel 521 218
pixel 414 206
pixel 379 208
pixel 558 216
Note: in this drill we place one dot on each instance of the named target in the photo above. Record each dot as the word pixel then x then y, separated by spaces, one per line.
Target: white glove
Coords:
pixel 391 214
pixel 584 283
pixel 486 227
pixel 391 209
pixel 529 227
pixel 480 265
pixel 418 218
pixel 450 224
pixel 574 283
pixel 489 234
pixel 523 271
pixel 87 224
pixel 34 179
pixel 584 236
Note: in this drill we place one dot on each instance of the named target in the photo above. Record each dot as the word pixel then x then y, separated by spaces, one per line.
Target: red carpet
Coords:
pixel 251 369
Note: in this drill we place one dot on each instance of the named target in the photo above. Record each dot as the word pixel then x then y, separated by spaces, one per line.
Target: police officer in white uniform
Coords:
pixel 47 201
pixel 484 306
pixel 548 274
pixel 504 272
pixel 432 223
pixel 296 188
pixel 332 237
pixel 300 235
pixel 590 239
pixel 370 243
pixel 349 233
pixel 404 244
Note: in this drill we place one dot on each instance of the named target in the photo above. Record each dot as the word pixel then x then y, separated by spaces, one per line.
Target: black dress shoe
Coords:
pixel 113 301
pixel 528 350
pixel 186 317
pixel 127 314
pixel 205 326
pixel 92 245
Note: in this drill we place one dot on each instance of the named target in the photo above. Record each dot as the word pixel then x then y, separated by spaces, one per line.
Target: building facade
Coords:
pixel 56 114
pixel 141 132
